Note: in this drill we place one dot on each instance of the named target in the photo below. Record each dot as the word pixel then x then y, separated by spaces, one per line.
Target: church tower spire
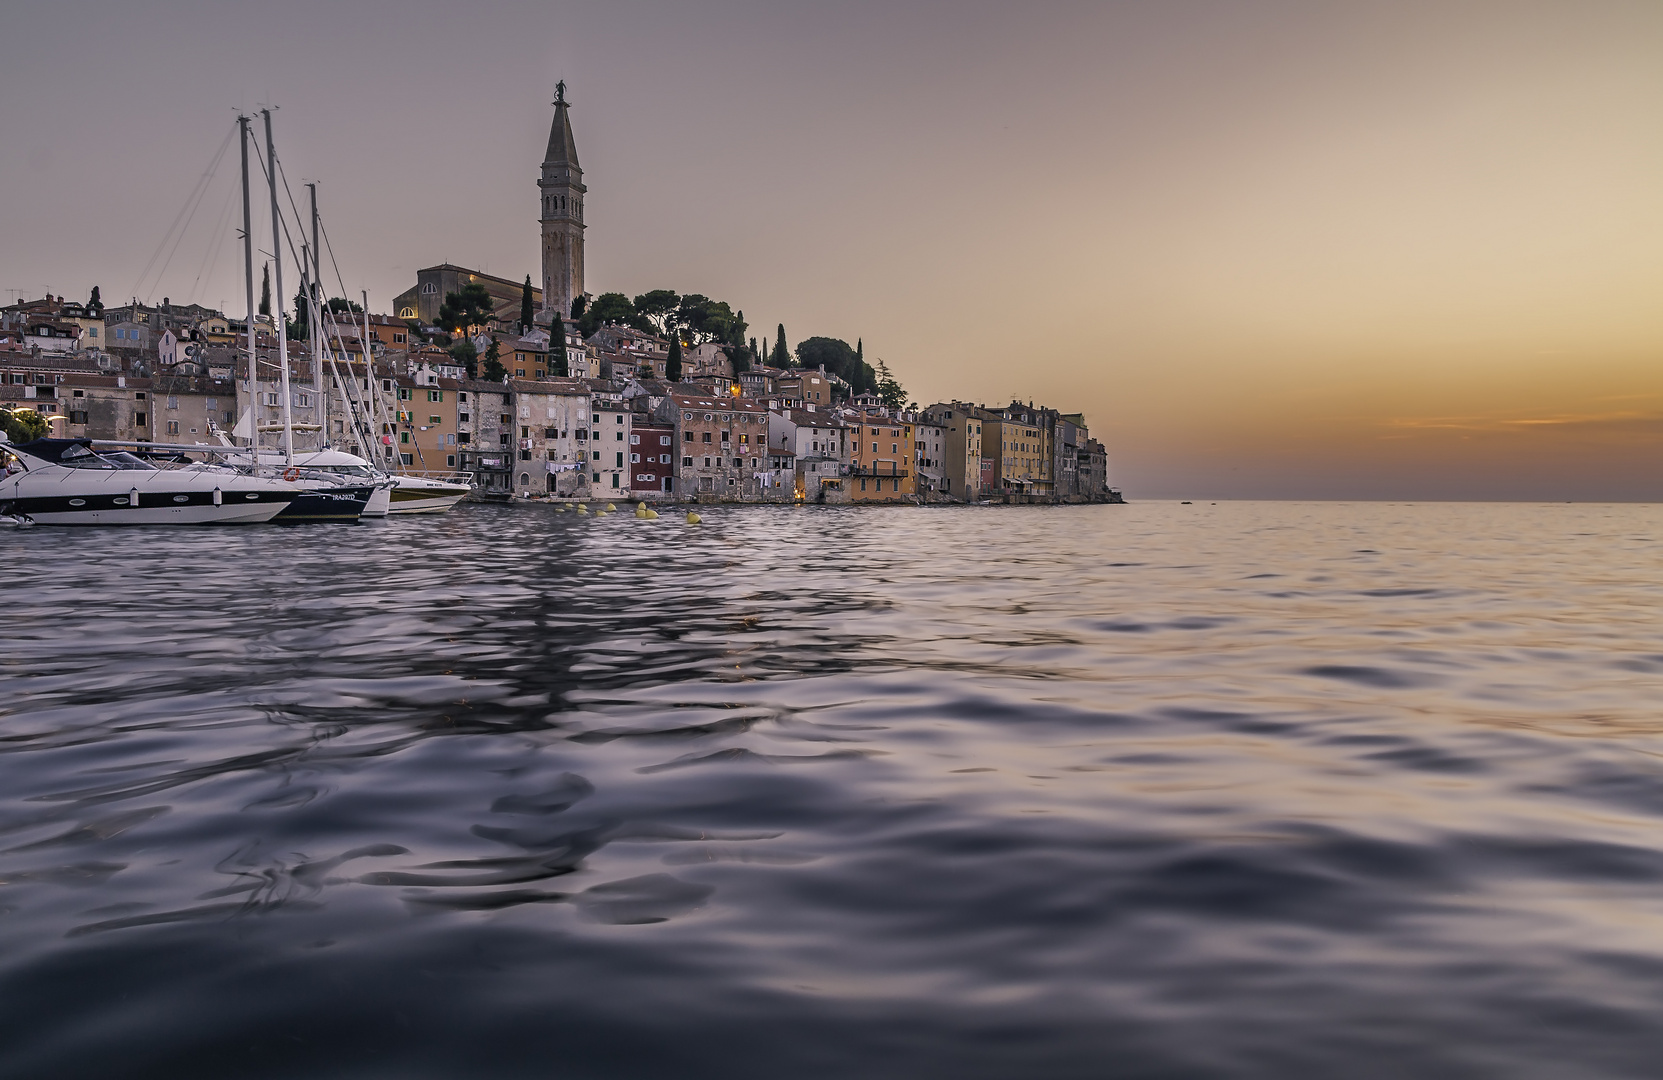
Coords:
pixel 562 190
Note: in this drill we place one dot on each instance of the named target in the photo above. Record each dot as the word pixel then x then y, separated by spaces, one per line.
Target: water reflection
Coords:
pixel 1235 790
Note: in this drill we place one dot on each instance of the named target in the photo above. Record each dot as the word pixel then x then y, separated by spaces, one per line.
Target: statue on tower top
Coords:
pixel 560 92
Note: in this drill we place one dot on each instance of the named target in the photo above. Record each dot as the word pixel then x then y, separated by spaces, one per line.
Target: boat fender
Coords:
pixel 133 497
pixel 219 497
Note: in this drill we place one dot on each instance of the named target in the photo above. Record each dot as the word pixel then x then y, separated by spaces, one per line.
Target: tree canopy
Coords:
pixel 95 303
pixel 839 360
pixel 526 313
pixel 494 371
pixel 265 290
pixel 464 353
pixel 23 425
pixel 472 306
pixel 612 307
pixel 658 307
pixel 672 366
pixel 889 389
pixel 557 349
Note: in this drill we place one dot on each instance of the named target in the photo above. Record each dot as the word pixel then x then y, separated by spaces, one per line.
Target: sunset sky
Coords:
pixel 1272 249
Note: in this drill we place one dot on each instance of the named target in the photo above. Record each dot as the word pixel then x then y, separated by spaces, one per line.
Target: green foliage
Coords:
pixel 740 357
pixel 494 371
pixel 526 313
pixel 95 303
pixel 297 327
pixel 839 360
pixel 658 307
pixel 580 304
pixel 341 305
pixel 672 366
pixel 23 425
pixel 557 349
pixel 781 356
pixel 464 353
pixel 705 319
pixel 471 307
pixel 889 389
pixel 265 291
pixel 613 307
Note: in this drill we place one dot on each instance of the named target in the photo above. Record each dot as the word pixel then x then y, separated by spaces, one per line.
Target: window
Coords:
pixel 172 402
pixel 173 427
pixel 707 463
pixel 614 479
pixel 404 437
pixel 435 395
pixel 76 416
pixel 504 418
pixel 620 463
pixel 525 455
pixel 464 438
pixel 874 448
pixel 463 418
pixel 138 418
pixel 450 461
pixel 597 455
pixel 687 461
pixel 519 373
pixel 664 440
pixel 398 339
pixel 211 404
pixel 619 418
pixel 634 459
pixel 406 459
pixel 305 399
pixel 704 436
pixel 271 399
pixel 435 419
pixel 687 436
pixel 404 393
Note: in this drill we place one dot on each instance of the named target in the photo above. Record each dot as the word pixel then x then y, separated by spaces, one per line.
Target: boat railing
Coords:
pixel 449 476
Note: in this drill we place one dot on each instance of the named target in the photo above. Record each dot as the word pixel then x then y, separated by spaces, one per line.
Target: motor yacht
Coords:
pixel 69 482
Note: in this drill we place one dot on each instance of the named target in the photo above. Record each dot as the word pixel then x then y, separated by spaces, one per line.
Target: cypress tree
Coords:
pixel 265 291
pixel 579 306
pixel 557 349
pixel 96 303
pixel 525 306
pixel 672 366
pixel 782 355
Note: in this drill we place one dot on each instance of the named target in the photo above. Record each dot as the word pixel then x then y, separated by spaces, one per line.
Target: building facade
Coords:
pixel 562 192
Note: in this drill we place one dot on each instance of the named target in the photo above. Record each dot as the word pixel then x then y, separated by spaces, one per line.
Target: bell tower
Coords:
pixel 562 190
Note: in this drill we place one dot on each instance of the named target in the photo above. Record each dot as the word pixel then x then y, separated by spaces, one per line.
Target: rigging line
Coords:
pixel 214 250
pixel 194 195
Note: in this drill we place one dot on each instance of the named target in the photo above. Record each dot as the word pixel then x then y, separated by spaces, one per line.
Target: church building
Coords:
pixel 562 191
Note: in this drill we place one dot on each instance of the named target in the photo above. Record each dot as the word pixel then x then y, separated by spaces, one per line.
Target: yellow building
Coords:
pixel 880 457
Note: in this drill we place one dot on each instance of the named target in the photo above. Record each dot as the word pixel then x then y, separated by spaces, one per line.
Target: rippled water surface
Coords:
pixel 1245 790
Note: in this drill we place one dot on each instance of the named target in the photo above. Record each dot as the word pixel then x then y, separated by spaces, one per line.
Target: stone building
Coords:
pixel 562 192
pixel 961 448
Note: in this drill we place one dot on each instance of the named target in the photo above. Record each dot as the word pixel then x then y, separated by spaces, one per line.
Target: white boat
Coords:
pixel 414 494
pixel 68 482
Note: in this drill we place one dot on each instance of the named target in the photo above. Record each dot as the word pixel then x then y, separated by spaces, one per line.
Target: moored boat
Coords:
pixel 68 482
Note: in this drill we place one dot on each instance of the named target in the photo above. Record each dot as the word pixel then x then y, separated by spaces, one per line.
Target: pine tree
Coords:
pixel 494 371
pixel 672 366
pixel 265 291
pixel 860 350
pixel 557 349
pixel 95 304
pixel 525 306
pixel 782 355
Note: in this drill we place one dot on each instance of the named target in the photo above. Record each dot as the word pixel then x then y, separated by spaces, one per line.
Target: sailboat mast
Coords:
pixel 248 281
pixel 319 338
pixel 277 277
pixel 375 391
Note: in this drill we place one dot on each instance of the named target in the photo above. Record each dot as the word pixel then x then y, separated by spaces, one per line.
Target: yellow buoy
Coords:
pixel 692 518
pixel 652 515
pixel 610 508
pixel 582 511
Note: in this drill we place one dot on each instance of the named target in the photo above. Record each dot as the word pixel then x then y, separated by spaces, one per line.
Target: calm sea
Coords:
pixel 1234 790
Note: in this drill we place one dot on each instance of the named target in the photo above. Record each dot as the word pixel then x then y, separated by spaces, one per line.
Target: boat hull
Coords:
pixel 379 501
pixel 428 497
pixel 327 504
pixel 155 508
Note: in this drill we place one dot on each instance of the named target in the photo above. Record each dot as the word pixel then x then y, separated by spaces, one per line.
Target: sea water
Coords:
pixel 1233 790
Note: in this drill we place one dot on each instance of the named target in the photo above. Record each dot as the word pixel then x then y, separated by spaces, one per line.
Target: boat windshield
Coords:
pixel 81 457
pixel 124 460
pixel 346 470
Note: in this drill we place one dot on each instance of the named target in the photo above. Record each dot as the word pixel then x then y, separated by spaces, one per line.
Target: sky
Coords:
pixel 1272 249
